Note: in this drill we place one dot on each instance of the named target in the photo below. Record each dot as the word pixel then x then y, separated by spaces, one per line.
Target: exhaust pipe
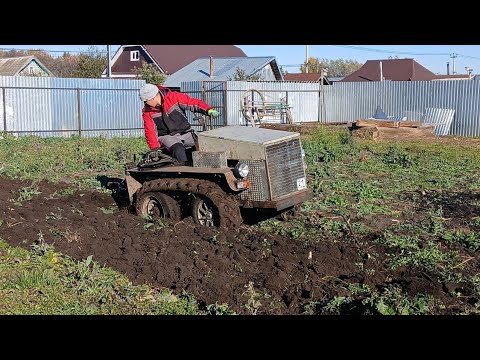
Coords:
pixel 211 67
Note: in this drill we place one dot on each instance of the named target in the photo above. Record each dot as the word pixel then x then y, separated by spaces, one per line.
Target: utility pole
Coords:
pixel 323 75
pixel 453 56
pixel 306 59
pixel 109 68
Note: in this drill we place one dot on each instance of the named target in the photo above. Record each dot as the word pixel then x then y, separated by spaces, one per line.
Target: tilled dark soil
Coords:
pixel 251 271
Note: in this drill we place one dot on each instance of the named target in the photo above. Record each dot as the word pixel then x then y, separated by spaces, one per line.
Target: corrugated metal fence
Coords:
pixel 64 107
pixel 344 102
pixel 351 101
pixel 111 107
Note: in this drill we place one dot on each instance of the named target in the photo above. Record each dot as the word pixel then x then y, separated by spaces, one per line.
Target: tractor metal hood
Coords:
pixel 242 142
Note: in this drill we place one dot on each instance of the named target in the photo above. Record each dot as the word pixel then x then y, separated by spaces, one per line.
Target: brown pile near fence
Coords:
pixel 388 129
pixel 368 129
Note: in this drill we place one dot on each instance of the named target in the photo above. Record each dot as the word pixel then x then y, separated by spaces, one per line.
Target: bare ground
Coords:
pixel 252 271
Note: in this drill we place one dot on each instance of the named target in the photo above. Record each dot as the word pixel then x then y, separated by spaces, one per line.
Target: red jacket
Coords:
pixel 171 118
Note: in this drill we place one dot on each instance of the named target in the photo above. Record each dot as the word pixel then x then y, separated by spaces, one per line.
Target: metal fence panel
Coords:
pixel 351 101
pixel 114 133
pixel 214 93
pixel 67 106
pixel 441 118
pixel 348 102
pixel 111 111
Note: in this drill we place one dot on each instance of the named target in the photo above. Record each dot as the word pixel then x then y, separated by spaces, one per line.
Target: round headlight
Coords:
pixel 241 170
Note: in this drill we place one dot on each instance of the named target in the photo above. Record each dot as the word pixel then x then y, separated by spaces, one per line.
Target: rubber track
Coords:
pixel 229 210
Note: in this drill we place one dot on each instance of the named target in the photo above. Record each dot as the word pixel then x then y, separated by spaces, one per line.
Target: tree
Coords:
pixel 315 65
pixel 66 65
pixel 241 75
pixel 91 64
pixel 338 67
pixel 149 73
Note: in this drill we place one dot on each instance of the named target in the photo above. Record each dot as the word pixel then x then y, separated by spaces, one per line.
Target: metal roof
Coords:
pixel 454 77
pixel 172 58
pixel 224 69
pixel 392 69
pixel 302 76
pixel 335 78
pixel 306 77
pixel 12 66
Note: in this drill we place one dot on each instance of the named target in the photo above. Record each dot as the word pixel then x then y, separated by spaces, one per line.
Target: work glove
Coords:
pixel 213 113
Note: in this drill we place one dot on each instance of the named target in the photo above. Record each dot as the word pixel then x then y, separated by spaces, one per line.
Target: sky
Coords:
pixel 290 57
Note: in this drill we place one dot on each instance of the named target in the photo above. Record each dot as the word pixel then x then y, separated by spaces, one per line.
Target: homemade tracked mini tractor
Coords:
pixel 233 168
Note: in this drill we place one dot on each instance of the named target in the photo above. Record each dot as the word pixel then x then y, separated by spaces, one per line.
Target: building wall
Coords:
pixel 267 73
pixel 33 69
pixel 125 65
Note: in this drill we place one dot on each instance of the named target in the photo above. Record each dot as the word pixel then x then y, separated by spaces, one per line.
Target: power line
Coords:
pixel 53 51
pixel 388 51
pixel 406 52
pixel 469 57
pixel 363 48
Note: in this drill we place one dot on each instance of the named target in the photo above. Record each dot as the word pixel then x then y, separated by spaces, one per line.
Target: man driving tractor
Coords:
pixel 165 120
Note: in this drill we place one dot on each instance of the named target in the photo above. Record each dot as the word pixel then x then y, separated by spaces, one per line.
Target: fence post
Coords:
pixel 4 110
pixel 324 110
pixel 319 117
pixel 225 103
pixel 287 102
pixel 79 117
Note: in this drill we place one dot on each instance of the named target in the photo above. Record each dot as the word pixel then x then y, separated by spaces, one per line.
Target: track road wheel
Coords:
pixel 204 212
pixel 215 209
pixel 157 205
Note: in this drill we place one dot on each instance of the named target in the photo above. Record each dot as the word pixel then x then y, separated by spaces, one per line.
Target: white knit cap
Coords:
pixel 148 91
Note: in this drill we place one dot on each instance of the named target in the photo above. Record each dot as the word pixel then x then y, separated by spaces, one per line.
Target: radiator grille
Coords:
pixel 285 167
pixel 258 178
pixel 209 159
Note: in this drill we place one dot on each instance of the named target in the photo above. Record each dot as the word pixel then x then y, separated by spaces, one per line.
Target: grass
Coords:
pixel 362 181
pixel 36 158
pixel 41 281
pixel 357 184
pixel 369 176
pixel 361 300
